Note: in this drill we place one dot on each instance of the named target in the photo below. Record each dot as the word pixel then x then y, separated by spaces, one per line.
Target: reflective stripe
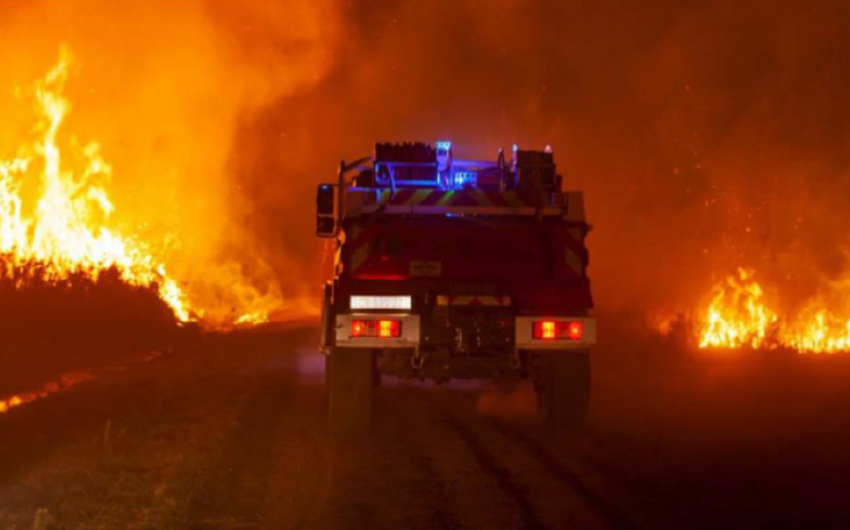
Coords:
pixel 447 198
pixel 573 261
pixel 407 201
pixel 481 198
pixel 572 258
pixel 418 196
pixel 361 248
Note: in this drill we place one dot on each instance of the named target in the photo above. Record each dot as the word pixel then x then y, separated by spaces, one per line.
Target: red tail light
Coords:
pixel 551 330
pixel 382 329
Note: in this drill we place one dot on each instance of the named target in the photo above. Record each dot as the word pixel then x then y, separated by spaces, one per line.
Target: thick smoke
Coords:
pixel 706 135
pixel 162 85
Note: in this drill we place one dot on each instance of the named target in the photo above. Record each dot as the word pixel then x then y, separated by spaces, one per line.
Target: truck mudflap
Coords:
pixel 555 333
pixel 377 330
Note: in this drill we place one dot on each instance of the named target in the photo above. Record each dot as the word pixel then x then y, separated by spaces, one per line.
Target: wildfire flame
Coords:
pixel 64 383
pixel 59 218
pixel 738 316
pixel 66 227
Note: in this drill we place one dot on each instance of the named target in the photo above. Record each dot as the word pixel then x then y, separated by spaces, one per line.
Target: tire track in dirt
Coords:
pixel 432 483
pixel 611 513
pixel 506 480
pixel 388 478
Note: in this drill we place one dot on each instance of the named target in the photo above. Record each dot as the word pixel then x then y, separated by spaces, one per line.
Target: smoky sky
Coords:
pixel 705 135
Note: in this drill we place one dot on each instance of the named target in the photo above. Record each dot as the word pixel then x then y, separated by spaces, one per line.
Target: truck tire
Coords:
pixel 326 337
pixel 562 385
pixel 349 389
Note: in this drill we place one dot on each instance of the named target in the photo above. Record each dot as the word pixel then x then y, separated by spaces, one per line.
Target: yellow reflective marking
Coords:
pixel 447 198
pixel 573 261
pixel 417 197
pixel 359 256
pixel 481 198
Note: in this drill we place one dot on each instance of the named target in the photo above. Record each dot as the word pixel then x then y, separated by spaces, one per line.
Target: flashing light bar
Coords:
pixel 551 330
pixel 465 178
pixel 382 329
pixel 381 302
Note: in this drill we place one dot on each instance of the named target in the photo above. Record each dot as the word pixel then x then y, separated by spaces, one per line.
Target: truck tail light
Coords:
pixel 552 330
pixel 382 329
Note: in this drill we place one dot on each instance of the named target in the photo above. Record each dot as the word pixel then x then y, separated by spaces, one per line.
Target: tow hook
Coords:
pixel 418 360
pixel 516 362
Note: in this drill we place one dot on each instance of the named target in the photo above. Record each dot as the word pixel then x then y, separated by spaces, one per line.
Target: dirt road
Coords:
pixel 230 433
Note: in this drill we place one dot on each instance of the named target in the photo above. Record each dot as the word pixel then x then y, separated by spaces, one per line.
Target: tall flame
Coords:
pixel 64 223
pixel 738 316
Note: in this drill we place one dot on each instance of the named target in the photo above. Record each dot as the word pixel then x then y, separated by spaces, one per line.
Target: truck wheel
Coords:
pixel 326 337
pixel 562 385
pixel 349 389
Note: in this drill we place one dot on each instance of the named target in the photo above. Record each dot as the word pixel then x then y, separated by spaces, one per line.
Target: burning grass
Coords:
pixel 59 222
pixel 55 216
pixel 739 316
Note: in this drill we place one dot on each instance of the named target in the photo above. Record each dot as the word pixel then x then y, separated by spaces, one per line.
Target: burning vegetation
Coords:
pixel 56 212
pixel 739 316
pixel 125 154
pixel 66 382
pixel 58 222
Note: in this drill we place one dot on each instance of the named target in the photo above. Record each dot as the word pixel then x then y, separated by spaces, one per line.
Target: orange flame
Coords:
pixel 66 227
pixel 738 316
pixel 65 382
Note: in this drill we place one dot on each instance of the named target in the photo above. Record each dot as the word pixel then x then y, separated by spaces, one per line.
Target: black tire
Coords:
pixel 326 337
pixel 349 389
pixel 562 385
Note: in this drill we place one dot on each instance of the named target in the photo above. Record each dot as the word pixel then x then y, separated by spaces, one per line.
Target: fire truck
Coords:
pixel 448 268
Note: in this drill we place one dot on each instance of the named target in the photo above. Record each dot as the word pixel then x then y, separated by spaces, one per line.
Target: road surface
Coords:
pixel 229 432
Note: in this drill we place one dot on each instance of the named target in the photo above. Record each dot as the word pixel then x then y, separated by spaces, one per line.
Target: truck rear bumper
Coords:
pixel 409 331
pixel 410 337
pixel 525 339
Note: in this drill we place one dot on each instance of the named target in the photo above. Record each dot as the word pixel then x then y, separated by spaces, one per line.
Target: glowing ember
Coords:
pixel 65 382
pixel 58 217
pixel 738 316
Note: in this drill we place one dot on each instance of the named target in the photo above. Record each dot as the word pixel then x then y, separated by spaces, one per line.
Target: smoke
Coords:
pixel 706 135
pixel 162 87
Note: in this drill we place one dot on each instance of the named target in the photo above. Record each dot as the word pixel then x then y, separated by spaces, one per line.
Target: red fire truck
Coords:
pixel 455 269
